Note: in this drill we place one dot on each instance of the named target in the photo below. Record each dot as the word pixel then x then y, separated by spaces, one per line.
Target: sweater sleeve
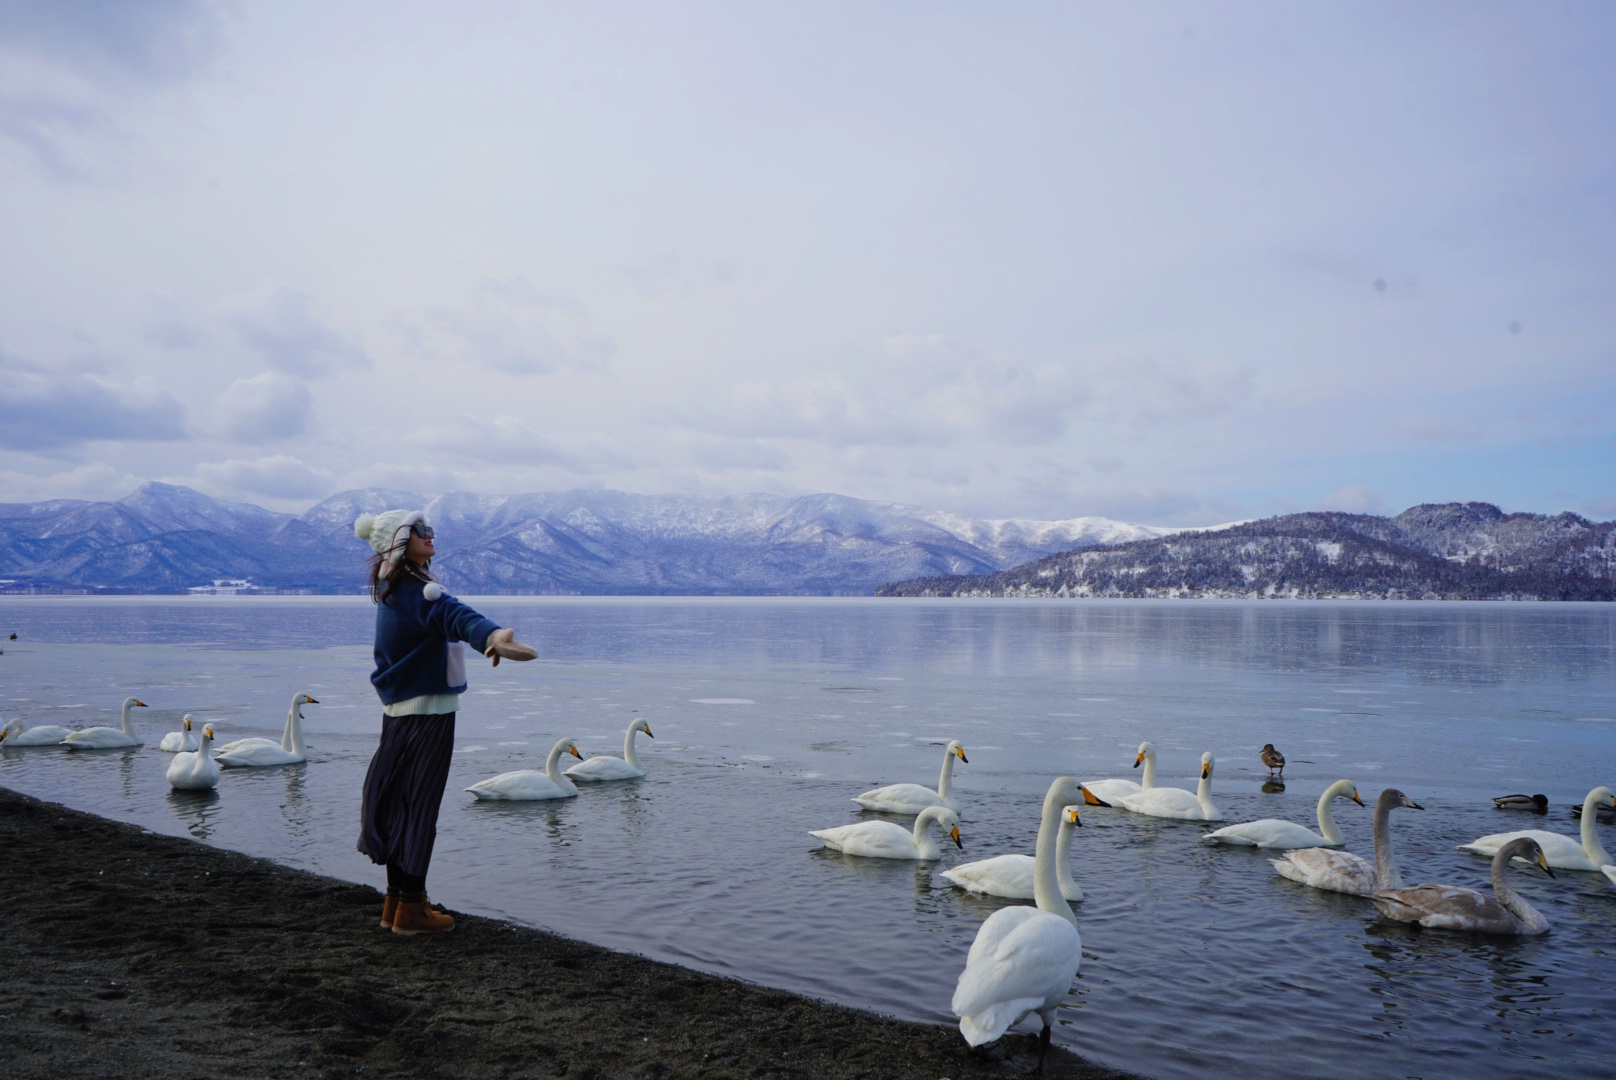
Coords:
pixel 456 621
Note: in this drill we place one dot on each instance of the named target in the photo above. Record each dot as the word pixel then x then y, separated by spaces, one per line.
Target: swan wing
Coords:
pixel 521 785
pixel 98 738
pixel 44 735
pixel 239 744
pixel 189 771
pixel 1025 963
pixel 1561 851
pixel 1111 791
pixel 1329 869
pixel 258 757
pixel 1268 833
pixel 1446 907
pixel 872 839
pixel 604 767
pixel 1164 802
pixel 1010 876
pixel 902 799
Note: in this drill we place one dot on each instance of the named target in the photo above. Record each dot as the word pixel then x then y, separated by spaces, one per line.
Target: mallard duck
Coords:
pixel 1272 758
pixel 1537 804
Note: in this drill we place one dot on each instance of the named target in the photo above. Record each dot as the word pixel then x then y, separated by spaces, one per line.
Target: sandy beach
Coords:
pixel 130 954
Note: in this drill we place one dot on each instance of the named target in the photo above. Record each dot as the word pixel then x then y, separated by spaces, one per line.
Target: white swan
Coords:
pixel 1111 792
pixel 1344 872
pixel 1562 852
pixel 526 785
pixel 180 741
pixel 1281 834
pixel 291 735
pixel 17 733
pixel 913 798
pixel 1013 876
pixel 1449 907
pixel 1610 872
pixel 1171 802
pixel 104 738
pixel 884 840
pixel 1024 958
pixel 195 770
pixel 603 767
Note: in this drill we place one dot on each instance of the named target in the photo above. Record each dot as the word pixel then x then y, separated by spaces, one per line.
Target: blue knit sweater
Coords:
pixel 416 643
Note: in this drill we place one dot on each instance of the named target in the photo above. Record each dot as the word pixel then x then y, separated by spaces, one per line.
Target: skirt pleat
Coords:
pixel 398 817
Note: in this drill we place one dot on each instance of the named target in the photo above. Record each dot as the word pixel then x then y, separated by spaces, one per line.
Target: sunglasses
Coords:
pixel 423 531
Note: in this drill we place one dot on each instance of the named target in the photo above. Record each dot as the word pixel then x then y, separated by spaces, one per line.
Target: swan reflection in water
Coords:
pixel 196 810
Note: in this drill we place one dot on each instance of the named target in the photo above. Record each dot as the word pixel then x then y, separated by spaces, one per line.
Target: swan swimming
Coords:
pixel 1177 803
pixel 179 741
pixel 195 770
pixel 1278 833
pixel 17 733
pixel 884 840
pixel 604 767
pixel 1449 907
pixel 1014 876
pixel 264 754
pixel 913 798
pixel 528 785
pixel 1344 872
pixel 1024 958
pixel 1111 792
pixel 106 738
pixel 1562 852
pixel 291 735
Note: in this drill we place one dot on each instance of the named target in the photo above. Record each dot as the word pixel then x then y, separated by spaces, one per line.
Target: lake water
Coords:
pixel 770 714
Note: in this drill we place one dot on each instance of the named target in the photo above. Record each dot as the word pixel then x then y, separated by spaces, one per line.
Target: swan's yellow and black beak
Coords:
pixel 954 832
pixel 310 701
pixel 1071 815
pixel 141 704
pixel 961 752
pixel 573 750
pixel 648 734
pixel 1206 771
pixel 1543 861
pixel 187 723
pixel 208 731
pixel 1093 799
pixel 1355 797
pixel 1138 761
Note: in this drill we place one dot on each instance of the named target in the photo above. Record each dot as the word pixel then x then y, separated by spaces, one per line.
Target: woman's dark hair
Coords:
pixel 382 585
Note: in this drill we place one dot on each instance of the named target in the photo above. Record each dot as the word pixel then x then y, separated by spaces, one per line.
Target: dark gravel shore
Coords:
pixel 127 954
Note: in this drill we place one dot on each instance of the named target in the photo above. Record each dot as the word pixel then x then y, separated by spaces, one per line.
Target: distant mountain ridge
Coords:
pixel 167 539
pixel 1448 551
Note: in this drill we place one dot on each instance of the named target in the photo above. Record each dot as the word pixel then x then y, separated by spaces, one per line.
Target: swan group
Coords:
pixel 913 798
pixel 528 785
pixel 1561 851
pixel 1176 802
pixel 1344 872
pixel 1111 792
pixel 604 767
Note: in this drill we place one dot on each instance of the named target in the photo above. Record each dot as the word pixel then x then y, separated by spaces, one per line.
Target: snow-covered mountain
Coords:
pixel 163 538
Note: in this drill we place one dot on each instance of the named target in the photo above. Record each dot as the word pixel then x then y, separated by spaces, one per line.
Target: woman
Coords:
pixel 420 675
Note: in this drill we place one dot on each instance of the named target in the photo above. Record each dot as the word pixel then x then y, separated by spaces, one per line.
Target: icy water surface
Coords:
pixel 770 714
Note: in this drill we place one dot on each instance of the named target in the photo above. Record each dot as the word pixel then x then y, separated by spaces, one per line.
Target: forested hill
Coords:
pixel 1449 551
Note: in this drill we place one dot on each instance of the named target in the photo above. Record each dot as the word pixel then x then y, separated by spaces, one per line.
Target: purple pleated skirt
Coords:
pixel 398 818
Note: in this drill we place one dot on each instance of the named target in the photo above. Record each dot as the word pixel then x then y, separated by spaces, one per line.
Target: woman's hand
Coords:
pixel 503 644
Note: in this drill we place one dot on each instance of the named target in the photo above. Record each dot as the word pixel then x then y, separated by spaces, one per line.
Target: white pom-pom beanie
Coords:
pixel 387 532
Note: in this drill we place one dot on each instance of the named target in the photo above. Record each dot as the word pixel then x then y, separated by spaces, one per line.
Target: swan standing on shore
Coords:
pixel 291 734
pixel 1449 907
pixel 1176 802
pixel 1276 833
pixel 1014 876
pixel 1562 851
pixel 1111 792
pixel 264 754
pixel 913 798
pixel 108 738
pixel 1344 872
pixel 195 770
pixel 181 741
pixel 603 767
pixel 1024 959
pixel 17 733
pixel 528 785
pixel 884 840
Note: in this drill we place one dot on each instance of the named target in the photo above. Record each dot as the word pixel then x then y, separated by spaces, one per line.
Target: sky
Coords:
pixel 1174 263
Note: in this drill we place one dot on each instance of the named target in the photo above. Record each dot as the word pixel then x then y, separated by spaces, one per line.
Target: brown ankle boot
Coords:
pixel 418 917
pixel 389 909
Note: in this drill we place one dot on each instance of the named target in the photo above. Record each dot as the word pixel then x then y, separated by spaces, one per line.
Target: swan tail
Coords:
pixel 995 1020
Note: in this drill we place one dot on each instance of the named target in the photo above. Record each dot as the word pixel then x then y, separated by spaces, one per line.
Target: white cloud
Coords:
pixel 1353 499
pixel 94 481
pixel 260 409
pixel 44 412
pixel 511 327
pixel 288 328
pixel 279 477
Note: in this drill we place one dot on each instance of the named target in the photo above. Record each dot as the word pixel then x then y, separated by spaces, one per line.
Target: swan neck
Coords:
pixel 1063 853
pixel 292 737
pixel 1148 781
pixel 945 779
pixel 1512 900
pixel 1045 882
pixel 1591 847
pixel 552 765
pixel 1327 826
pixel 1203 795
pixel 628 747
pixel 203 747
pixel 924 844
pixel 1386 875
pixel 127 730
